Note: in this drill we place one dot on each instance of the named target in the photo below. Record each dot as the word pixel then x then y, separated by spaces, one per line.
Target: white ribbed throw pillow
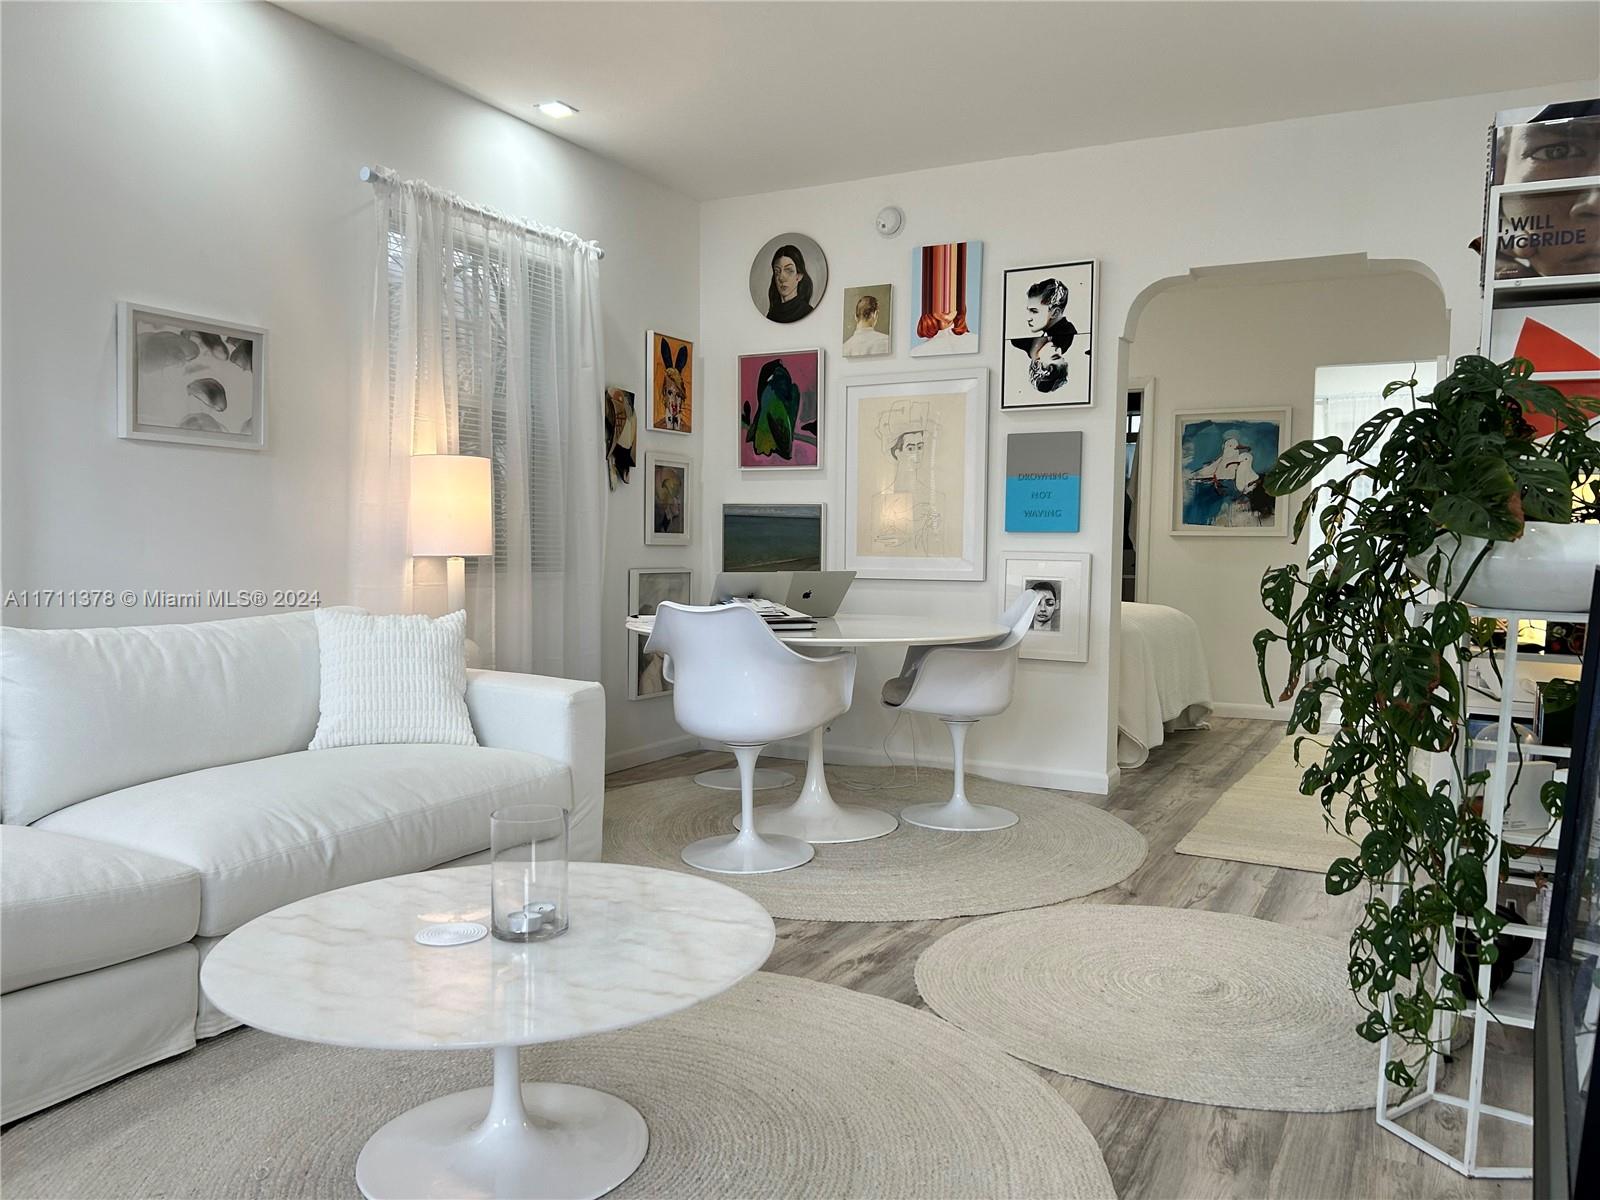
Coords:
pixel 392 679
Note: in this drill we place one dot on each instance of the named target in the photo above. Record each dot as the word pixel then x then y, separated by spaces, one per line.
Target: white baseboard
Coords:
pixel 1252 712
pixel 653 752
pixel 1097 783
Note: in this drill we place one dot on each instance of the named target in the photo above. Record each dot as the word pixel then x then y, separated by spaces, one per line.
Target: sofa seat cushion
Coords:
pixel 72 904
pixel 265 833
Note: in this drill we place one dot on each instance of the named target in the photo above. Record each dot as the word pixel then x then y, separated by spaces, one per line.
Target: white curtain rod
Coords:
pixel 376 175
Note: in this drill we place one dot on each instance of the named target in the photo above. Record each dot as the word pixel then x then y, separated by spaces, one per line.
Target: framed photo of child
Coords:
pixel 1048 326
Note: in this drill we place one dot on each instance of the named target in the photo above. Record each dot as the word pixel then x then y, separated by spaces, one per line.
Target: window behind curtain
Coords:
pixel 480 292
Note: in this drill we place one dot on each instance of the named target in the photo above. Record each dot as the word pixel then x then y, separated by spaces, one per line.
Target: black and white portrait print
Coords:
pixel 1047 617
pixel 1049 331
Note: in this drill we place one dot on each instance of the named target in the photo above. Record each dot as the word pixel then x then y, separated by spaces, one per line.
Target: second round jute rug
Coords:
pixel 1200 1006
pixel 778 1088
pixel 1060 849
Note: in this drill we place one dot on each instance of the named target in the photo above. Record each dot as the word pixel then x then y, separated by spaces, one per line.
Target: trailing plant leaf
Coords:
pixel 1407 487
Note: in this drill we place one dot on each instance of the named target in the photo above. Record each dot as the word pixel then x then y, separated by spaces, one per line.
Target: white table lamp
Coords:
pixel 452 515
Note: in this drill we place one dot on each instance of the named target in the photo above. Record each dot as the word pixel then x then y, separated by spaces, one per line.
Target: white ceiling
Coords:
pixel 733 98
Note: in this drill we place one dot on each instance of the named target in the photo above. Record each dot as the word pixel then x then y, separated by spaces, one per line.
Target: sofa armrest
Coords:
pixel 562 719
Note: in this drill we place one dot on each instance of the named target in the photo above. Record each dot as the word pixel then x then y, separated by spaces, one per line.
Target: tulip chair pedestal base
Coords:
pixel 958 814
pixel 960 817
pixel 726 779
pixel 747 854
pixel 816 817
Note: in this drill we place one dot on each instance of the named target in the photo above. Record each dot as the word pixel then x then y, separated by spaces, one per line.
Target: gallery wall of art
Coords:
pixel 1224 351
pixel 249 208
pixel 1402 183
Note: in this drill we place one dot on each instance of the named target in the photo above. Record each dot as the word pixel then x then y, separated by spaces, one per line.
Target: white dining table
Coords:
pixel 815 816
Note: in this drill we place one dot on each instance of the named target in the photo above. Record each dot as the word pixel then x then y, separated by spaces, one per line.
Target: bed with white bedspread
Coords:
pixel 1164 681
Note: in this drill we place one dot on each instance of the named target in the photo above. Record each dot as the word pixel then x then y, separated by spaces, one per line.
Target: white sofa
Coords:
pixel 156 793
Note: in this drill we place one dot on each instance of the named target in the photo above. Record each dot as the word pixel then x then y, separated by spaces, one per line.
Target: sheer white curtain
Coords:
pixel 486 339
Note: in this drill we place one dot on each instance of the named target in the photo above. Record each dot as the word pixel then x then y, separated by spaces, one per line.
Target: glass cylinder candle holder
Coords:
pixel 528 848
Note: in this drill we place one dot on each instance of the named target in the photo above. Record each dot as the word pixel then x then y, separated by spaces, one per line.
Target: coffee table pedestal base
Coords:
pixel 528 1141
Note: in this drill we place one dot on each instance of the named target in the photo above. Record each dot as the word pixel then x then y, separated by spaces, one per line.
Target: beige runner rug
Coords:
pixel 1264 819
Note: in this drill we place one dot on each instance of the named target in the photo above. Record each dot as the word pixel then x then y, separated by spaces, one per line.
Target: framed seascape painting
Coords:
pixel 622 435
pixel 916 454
pixel 671 374
pixel 868 321
pixel 182 378
pixel 648 587
pixel 946 298
pixel 787 278
pixel 772 537
pixel 1048 326
pixel 1060 627
pixel 780 410
pixel 1221 459
pixel 668 499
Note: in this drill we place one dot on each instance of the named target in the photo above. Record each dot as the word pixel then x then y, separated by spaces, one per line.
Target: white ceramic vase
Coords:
pixel 1550 568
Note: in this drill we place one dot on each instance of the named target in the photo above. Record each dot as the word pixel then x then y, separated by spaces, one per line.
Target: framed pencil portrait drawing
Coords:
pixel 668 499
pixel 1047 360
pixel 1060 628
pixel 916 456
pixel 648 587
pixel 183 378
pixel 1218 486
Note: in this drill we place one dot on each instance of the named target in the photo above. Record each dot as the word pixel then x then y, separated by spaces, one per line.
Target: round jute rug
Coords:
pixel 1060 849
pixel 778 1088
pixel 1198 1006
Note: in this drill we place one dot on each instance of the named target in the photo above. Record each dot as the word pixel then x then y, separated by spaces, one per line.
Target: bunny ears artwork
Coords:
pixel 671 382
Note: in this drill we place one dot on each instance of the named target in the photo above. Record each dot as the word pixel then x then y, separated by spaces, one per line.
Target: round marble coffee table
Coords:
pixel 344 969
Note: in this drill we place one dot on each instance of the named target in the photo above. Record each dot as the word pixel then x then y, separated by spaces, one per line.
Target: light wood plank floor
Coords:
pixel 1165 1149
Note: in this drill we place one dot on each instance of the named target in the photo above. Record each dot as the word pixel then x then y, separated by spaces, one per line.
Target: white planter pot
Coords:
pixel 1550 568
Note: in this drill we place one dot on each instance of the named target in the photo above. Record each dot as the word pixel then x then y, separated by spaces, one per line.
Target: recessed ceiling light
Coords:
pixel 557 109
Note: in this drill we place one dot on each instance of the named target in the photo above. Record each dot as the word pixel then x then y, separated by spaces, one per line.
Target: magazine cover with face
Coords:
pixel 1546 233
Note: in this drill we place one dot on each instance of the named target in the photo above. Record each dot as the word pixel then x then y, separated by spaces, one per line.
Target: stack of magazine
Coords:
pixel 779 616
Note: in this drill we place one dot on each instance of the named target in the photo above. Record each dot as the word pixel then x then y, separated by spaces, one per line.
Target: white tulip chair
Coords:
pixel 734 682
pixel 960 685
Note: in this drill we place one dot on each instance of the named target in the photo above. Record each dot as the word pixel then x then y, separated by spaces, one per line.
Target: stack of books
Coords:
pixel 780 616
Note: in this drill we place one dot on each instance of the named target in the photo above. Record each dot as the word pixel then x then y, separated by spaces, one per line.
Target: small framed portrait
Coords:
pixel 671 375
pixel 1060 627
pixel 780 410
pixel 648 587
pixel 183 378
pixel 1221 459
pixel 622 436
pixel 668 499
pixel 788 277
pixel 946 298
pixel 868 321
pixel 1048 323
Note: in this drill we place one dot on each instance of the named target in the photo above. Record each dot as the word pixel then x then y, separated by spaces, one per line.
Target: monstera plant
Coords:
pixel 1409 508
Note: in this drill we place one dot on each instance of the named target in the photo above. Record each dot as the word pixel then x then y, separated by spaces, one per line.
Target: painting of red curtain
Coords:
pixel 947 280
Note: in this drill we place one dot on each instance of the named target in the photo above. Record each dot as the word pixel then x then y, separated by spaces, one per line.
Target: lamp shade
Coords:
pixel 451 506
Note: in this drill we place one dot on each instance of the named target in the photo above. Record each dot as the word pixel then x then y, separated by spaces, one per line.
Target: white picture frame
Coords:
pixel 190 379
pixel 647 587
pixel 1226 463
pixel 916 475
pixel 662 526
pixel 1064 637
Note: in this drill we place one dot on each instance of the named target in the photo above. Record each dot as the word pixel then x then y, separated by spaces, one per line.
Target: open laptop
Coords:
pixel 815 593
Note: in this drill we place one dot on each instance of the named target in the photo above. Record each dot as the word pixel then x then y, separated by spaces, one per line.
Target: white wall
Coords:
pixel 1248 346
pixel 204 158
pixel 1398 183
